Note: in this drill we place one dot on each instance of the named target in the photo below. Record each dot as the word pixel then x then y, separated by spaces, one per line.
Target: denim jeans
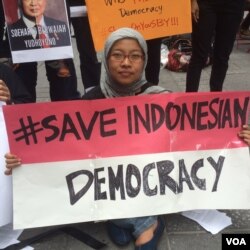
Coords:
pixel 152 70
pixel 137 225
pixel 218 20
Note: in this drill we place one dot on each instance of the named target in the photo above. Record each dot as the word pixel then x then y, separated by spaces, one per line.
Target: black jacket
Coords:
pixel 96 92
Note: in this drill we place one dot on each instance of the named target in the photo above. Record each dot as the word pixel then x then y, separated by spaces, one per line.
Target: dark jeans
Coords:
pixel 89 65
pixel 2 22
pixel 154 61
pixel 28 74
pixel 61 88
pixel 4 47
pixel 219 20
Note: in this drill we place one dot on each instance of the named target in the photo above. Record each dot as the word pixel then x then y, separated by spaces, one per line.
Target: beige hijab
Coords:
pixel 108 86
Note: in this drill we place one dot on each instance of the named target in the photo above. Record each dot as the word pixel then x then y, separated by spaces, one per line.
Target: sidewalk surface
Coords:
pixel 181 233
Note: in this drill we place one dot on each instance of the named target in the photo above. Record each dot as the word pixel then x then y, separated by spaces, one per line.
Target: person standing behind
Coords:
pixel 2 24
pixel 62 86
pixel 218 19
pixel 89 65
pixel 4 45
pixel 152 71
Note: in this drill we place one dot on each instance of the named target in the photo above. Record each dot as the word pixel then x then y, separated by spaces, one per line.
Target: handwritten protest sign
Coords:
pixel 88 160
pixel 38 31
pixel 153 18
pixel 5 181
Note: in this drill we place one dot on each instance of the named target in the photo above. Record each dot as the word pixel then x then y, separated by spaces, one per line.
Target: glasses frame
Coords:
pixel 120 57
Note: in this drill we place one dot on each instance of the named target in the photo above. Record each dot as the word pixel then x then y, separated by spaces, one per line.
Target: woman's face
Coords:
pixel 126 61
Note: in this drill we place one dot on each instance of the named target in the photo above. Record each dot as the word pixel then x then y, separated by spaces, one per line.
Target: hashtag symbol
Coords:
pixel 27 130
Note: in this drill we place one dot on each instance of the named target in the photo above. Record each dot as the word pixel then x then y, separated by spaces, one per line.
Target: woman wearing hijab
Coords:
pixel 124 62
pixel 123 72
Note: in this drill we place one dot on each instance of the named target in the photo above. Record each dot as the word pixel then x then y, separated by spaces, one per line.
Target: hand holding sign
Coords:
pixel 4 92
pixel 244 134
pixel 12 161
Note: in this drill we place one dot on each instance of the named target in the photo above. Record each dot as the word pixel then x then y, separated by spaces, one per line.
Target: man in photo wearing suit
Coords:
pixel 34 30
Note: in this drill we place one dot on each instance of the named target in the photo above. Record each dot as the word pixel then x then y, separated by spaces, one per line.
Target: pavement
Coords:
pixel 181 233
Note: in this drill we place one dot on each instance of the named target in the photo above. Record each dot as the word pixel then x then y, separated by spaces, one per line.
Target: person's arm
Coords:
pixel 244 134
pixel 195 10
pixel 4 92
pixel 12 161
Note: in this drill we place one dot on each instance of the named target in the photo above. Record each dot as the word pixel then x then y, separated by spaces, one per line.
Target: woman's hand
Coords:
pixel 244 134
pixel 4 92
pixel 12 161
pixel 195 10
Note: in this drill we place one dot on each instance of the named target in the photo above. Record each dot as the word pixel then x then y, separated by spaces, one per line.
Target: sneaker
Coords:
pixel 119 236
pixel 245 34
pixel 152 244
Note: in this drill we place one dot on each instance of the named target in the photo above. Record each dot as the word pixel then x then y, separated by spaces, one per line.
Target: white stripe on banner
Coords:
pixel 130 186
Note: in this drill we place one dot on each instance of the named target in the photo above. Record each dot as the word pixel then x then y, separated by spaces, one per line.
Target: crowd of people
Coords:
pixel 131 67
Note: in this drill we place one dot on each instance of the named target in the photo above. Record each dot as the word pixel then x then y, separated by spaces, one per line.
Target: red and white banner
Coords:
pixel 153 154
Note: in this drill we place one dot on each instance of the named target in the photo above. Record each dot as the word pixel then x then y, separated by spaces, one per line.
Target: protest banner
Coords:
pixel 107 159
pixel 152 18
pixel 5 181
pixel 37 31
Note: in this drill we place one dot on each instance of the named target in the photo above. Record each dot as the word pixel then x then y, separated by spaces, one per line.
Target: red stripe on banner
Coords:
pixel 72 130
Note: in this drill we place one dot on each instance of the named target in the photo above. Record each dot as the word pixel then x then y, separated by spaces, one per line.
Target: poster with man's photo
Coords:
pixel 38 30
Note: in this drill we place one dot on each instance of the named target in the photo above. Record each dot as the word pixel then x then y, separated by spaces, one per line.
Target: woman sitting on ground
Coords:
pixel 124 60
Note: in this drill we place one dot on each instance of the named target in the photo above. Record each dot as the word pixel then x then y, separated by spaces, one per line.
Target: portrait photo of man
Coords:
pixel 34 29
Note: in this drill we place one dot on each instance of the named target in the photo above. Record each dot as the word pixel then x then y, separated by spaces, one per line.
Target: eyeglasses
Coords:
pixel 119 57
pixel 28 1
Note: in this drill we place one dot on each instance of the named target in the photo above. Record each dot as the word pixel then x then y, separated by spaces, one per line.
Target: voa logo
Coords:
pixel 236 241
